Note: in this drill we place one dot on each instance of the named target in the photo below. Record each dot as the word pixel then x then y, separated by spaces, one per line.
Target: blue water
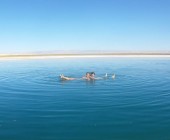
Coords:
pixel 36 105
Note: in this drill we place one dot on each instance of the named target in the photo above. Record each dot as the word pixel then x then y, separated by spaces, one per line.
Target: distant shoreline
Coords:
pixel 76 55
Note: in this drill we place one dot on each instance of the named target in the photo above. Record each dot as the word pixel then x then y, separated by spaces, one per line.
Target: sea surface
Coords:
pixel 36 105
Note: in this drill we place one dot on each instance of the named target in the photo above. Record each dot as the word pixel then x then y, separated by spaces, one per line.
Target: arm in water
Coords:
pixel 92 77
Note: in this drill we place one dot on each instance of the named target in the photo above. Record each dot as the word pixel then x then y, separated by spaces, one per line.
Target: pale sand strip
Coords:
pixel 22 57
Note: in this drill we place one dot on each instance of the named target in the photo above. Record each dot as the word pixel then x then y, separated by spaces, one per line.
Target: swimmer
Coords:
pixel 88 76
pixel 92 75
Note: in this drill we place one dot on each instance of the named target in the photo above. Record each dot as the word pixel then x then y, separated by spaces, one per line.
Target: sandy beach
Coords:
pixel 116 55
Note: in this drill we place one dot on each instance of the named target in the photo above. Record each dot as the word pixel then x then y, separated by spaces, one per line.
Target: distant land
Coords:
pixel 87 54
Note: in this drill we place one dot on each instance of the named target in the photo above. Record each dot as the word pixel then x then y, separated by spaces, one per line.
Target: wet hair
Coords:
pixel 92 73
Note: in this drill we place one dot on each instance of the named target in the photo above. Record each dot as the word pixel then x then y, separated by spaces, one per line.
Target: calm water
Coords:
pixel 36 105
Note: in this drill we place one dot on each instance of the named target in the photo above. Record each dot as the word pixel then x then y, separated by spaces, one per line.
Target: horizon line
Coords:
pixel 92 55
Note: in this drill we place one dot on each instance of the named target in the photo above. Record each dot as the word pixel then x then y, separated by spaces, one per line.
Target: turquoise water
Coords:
pixel 36 105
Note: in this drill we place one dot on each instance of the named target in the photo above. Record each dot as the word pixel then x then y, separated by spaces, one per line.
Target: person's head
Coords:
pixel 87 74
pixel 92 73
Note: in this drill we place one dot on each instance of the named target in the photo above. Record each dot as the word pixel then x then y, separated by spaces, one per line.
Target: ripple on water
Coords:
pixel 137 100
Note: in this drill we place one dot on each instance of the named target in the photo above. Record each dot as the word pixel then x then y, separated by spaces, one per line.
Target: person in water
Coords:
pixel 92 75
pixel 88 76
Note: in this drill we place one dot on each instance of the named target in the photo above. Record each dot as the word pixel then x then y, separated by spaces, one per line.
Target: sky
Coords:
pixel 110 25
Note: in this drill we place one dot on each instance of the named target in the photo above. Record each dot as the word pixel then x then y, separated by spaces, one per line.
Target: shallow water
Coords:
pixel 35 104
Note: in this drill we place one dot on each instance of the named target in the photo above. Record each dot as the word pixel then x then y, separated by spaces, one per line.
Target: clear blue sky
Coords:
pixel 47 25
